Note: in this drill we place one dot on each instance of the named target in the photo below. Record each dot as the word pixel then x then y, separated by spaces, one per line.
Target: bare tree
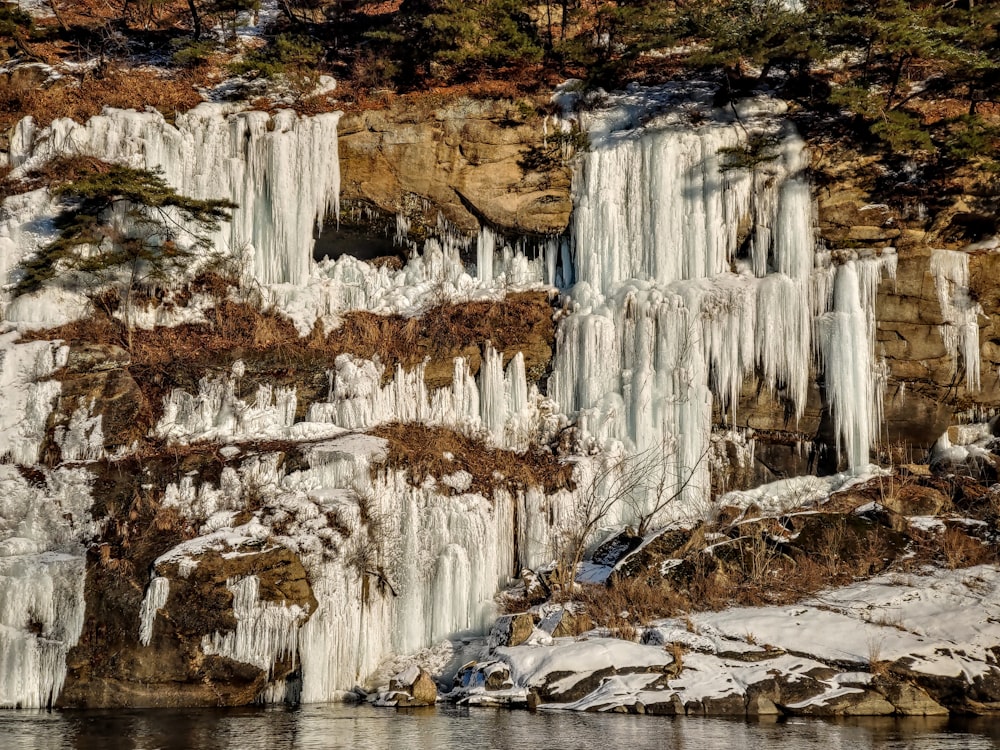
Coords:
pixel 643 483
pixel 366 555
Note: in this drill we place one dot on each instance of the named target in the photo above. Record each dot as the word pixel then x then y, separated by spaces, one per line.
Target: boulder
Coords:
pixel 907 698
pixel 511 630
pixel 860 702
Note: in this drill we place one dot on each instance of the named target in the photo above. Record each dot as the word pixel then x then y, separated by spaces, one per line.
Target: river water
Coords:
pixel 339 726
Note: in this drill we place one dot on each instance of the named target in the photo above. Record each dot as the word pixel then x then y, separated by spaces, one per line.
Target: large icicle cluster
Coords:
pixel 854 377
pixel 26 396
pixel 693 275
pixel 282 170
pixel 499 401
pixel 42 531
pixel 403 567
pixel 43 525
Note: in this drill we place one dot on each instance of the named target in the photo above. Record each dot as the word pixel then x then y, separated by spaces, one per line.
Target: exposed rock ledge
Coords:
pixel 465 159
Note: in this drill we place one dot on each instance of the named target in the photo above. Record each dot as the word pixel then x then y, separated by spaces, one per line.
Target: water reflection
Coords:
pixel 449 727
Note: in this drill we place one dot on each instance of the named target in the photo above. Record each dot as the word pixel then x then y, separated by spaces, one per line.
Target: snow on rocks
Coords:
pixel 918 644
pixel 410 688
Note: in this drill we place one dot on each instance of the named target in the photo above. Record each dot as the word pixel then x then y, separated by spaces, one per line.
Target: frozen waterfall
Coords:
pixel 694 276
pixel 281 170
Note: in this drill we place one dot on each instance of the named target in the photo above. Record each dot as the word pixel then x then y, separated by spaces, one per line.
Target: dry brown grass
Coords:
pixel 628 602
pixel 420 450
pixel 83 97
pixel 751 570
pixel 959 550
pixel 236 327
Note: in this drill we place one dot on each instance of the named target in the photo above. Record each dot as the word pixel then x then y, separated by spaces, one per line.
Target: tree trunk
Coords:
pixel 897 74
pixel 195 19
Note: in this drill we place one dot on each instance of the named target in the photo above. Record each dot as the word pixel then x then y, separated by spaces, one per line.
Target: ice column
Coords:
pixel 854 378
pixel 155 598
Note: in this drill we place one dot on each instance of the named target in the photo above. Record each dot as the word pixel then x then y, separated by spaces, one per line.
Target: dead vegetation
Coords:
pixel 164 358
pixel 80 98
pixel 423 451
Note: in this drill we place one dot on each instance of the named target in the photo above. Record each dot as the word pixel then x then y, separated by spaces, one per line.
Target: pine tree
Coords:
pixel 119 228
pixel 474 34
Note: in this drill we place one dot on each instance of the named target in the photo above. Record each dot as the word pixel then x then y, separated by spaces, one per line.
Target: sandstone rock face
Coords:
pixel 926 387
pixel 468 159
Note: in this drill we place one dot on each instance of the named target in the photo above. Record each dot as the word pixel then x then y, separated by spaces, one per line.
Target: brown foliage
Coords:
pixel 960 550
pixel 269 344
pixel 80 99
pixel 628 602
pixel 420 450
pixel 756 568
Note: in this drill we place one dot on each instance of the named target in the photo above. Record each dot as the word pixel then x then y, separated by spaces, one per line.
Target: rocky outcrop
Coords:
pixel 926 386
pixel 474 161
pixel 112 668
pixel 511 630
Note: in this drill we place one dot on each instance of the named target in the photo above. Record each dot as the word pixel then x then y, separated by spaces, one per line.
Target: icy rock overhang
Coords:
pixel 282 170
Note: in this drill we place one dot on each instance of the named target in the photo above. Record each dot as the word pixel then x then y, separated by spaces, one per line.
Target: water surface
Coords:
pixel 339 726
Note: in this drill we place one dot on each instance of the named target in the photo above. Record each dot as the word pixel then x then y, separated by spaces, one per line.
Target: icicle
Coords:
pixel 493 398
pixel 265 631
pixel 155 598
pixel 960 311
pixel 485 249
pixel 854 379
pixel 215 412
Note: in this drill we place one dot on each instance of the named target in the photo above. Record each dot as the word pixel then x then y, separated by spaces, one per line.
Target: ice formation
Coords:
pixel 265 631
pixel 282 170
pixel 960 311
pixel 693 276
pixel 43 530
pixel 434 274
pixel 498 401
pixel 156 596
pixel 687 280
pixel 855 379
pixel 416 565
pixel 26 395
